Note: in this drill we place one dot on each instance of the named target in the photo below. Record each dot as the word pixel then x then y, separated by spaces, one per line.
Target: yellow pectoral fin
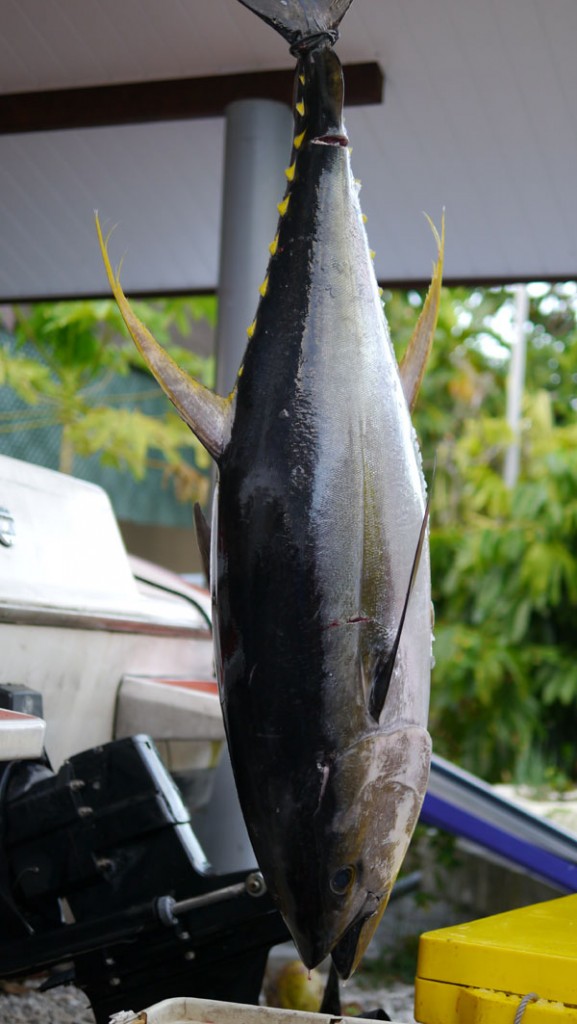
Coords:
pixel 208 415
pixel 412 368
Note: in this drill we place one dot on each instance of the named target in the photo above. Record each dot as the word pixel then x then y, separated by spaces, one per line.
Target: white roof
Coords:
pixel 479 118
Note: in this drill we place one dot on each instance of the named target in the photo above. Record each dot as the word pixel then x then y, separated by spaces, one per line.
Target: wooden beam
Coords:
pixel 172 100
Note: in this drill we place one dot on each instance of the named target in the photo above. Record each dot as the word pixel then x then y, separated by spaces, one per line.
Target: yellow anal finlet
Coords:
pixel 298 140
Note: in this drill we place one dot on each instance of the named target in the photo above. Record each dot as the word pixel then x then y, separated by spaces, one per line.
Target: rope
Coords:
pixel 529 998
pixel 306 44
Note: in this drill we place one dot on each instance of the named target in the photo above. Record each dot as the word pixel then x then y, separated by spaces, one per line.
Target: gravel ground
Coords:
pixel 24 1004
pixel 67 1005
pixel 396 999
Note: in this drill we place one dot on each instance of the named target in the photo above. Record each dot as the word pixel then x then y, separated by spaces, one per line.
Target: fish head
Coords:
pixel 367 811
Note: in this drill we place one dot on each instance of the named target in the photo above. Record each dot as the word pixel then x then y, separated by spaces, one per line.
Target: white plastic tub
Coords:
pixel 185 1010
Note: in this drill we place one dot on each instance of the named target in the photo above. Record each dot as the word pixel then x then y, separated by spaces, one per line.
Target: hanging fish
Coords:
pixel 319 560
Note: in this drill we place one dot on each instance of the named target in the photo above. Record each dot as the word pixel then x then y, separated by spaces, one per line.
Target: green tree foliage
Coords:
pixel 504 561
pixel 61 360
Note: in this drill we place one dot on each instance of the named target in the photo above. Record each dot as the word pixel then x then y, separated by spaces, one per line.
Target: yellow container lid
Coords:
pixel 533 949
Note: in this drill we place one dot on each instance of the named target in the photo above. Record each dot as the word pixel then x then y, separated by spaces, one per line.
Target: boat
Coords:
pixel 110 735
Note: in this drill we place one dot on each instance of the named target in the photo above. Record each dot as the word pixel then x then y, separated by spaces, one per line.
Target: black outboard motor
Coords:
pixel 101 872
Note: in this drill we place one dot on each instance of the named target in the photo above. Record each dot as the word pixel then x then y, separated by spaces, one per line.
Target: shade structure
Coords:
pixel 478 118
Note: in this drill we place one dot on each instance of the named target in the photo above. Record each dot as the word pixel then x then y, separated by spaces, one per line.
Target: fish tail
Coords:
pixel 305 24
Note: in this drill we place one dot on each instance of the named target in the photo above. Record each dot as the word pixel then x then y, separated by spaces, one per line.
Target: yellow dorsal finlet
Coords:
pixel 290 171
pixel 264 287
pixel 273 245
pixel 300 108
pixel 250 330
pixel 302 79
pixel 283 207
pixel 298 140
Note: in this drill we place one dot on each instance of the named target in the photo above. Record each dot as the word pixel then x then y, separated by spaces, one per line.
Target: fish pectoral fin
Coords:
pixel 412 368
pixel 208 415
pixel 202 539
pixel 383 671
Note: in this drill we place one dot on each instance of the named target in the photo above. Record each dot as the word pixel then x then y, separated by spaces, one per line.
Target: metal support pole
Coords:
pixel 515 387
pixel 257 150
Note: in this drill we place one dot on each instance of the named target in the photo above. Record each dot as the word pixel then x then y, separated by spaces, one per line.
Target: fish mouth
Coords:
pixel 349 949
pixel 311 953
pixel 314 948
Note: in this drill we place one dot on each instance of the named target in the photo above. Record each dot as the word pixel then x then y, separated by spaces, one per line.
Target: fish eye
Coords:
pixel 342 880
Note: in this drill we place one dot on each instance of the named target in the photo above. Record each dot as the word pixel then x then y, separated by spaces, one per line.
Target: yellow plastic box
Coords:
pixel 501 969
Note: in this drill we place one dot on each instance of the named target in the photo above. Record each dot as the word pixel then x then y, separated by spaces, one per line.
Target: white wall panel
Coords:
pixel 479 118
